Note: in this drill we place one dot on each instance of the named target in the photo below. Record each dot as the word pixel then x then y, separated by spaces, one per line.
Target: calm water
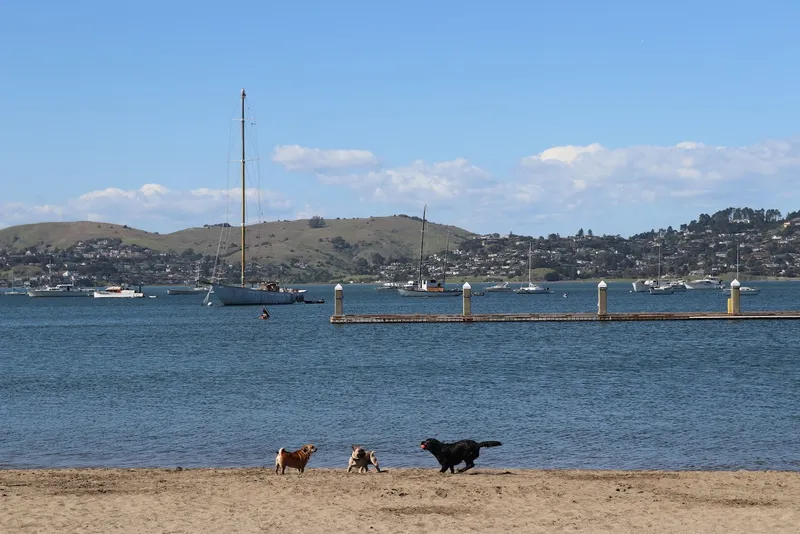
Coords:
pixel 168 382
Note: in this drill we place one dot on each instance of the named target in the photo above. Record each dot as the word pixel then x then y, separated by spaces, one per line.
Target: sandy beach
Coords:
pixel 399 500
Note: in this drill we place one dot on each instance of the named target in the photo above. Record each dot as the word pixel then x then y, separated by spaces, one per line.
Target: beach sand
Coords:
pixel 400 500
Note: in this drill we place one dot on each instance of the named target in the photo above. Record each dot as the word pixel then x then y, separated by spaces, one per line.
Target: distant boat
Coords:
pixel 269 293
pixel 196 290
pixel 12 292
pixel 658 289
pixel 388 286
pixel 429 288
pixel 744 290
pixel 118 292
pixel 643 286
pixel 661 290
pixel 708 282
pixel 531 288
pixel 503 287
pixel 61 291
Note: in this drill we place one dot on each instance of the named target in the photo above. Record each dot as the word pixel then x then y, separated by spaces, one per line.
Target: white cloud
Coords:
pixel 586 180
pixel 573 185
pixel 298 158
pixel 151 202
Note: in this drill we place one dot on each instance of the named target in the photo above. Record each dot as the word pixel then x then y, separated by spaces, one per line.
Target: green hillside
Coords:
pixel 337 244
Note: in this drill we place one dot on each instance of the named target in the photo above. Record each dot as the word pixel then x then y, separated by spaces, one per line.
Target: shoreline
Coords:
pixel 245 499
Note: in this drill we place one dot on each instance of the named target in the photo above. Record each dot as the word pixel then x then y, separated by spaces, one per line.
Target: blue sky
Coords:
pixel 525 116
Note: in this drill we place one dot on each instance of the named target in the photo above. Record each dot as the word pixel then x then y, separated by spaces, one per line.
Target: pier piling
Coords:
pixel 467 299
pixel 735 295
pixel 602 299
pixel 338 307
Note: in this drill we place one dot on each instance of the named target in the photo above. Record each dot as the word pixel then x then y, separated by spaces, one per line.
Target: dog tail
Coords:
pixel 280 451
pixel 489 444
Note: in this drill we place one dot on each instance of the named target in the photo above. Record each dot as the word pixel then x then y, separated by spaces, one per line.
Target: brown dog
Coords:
pixel 297 459
pixel 362 459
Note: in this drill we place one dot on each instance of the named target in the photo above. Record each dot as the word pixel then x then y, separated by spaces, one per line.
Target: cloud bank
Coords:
pixel 148 204
pixel 570 185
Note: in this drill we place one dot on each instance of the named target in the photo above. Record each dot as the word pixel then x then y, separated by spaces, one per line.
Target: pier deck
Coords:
pixel 558 317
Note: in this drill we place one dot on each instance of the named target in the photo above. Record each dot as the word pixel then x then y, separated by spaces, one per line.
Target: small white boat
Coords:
pixel 661 290
pixel 643 286
pixel 500 288
pixel 388 286
pixel 677 285
pixel 708 282
pixel 118 292
pixel 533 289
pixel 744 290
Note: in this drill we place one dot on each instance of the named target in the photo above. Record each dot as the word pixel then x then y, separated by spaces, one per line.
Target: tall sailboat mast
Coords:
pixel 243 190
pixel 530 250
pixel 422 244
pixel 446 252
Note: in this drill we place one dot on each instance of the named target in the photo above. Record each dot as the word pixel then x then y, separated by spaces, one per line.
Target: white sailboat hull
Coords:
pixel 243 296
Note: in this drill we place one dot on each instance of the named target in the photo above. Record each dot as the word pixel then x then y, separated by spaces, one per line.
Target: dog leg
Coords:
pixel 470 465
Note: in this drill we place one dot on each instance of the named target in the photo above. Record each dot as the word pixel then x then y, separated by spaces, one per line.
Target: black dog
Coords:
pixel 451 454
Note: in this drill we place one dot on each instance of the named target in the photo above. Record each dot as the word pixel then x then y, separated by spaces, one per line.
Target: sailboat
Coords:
pixel 743 290
pixel 13 292
pixel 196 290
pixel 531 288
pixel 659 289
pixel 263 293
pixel 429 288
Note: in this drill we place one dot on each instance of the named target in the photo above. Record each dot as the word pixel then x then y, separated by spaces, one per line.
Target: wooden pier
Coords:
pixel 555 317
pixel 734 313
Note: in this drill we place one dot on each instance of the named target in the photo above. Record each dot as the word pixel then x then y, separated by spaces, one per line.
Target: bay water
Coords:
pixel 168 382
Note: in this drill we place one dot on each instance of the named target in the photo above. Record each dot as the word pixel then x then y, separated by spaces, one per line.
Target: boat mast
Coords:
pixel 446 252
pixel 243 189
pixel 422 245
pixel 530 245
pixel 658 280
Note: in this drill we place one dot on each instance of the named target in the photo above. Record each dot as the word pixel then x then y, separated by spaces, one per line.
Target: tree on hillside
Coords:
pixel 317 222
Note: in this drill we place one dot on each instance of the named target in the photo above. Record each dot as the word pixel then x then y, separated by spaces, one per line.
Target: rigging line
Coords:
pixel 224 236
pixel 254 149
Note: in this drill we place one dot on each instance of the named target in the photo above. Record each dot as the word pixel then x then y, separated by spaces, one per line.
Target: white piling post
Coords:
pixel 735 296
pixel 467 298
pixel 338 307
pixel 602 298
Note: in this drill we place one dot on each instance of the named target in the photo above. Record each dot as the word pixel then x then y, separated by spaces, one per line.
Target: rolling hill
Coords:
pixel 337 244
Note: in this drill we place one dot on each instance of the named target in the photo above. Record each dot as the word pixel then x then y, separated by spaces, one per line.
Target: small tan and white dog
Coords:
pixel 362 459
pixel 297 459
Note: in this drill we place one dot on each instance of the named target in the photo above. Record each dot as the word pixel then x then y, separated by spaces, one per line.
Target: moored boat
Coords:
pixel 429 288
pixel 707 282
pixel 118 292
pixel 261 292
pixel 60 290
pixel 503 287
